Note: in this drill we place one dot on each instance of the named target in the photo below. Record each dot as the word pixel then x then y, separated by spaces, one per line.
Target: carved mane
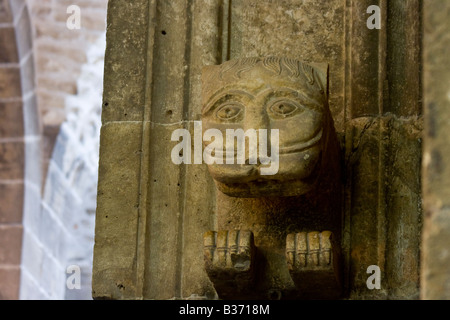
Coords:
pixel 291 67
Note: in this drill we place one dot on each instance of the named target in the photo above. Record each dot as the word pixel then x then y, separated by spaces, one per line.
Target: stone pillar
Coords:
pixel 152 213
pixel 435 282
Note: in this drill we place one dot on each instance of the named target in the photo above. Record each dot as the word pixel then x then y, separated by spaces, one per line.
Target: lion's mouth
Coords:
pixel 296 148
pixel 299 147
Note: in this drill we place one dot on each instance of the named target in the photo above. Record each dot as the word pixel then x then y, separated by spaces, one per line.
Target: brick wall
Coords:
pixel 18 140
pixel 61 234
pixel 45 218
pixel 59 55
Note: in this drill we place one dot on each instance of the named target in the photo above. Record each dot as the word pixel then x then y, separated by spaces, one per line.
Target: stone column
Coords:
pixel 151 213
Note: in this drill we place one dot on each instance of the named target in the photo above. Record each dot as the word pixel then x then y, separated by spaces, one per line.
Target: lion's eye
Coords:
pixel 283 108
pixel 228 111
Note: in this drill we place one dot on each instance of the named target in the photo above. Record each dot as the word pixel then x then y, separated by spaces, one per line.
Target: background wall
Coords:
pixel 50 100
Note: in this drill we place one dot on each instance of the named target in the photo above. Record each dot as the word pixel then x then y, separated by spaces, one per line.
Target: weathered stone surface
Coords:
pixel 12 113
pixel 10 82
pixel 12 156
pixel 118 202
pixel 274 94
pixel 152 77
pixel 383 131
pixel 230 262
pixel 385 214
pixel 435 280
pixel 288 96
pixel 9 283
pixel 310 31
pixel 314 261
pixel 12 236
pixel 181 37
pixel 403 72
pixel 11 198
pixel 403 201
pixel 125 60
pixel 8 45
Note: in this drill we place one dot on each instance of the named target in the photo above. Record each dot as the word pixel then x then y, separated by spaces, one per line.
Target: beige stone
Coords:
pixel 289 96
pixel 270 94
pixel 435 280
pixel 153 80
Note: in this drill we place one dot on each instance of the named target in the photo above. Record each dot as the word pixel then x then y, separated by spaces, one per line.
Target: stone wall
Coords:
pixel 59 55
pixel 167 208
pixel 63 236
pixel 20 179
pixel 69 177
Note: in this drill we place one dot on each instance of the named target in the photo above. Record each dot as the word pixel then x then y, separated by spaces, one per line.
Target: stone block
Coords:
pixel 9 283
pixel 8 54
pixel 11 199
pixel 165 215
pixel 118 210
pixel 47 61
pixel 60 82
pixel 12 157
pixel 66 51
pixel 264 28
pixel 11 240
pixel 124 83
pixel 46 30
pixel 12 115
pixel 10 86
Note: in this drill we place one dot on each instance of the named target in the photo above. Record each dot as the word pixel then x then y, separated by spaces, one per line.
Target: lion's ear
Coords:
pixel 321 71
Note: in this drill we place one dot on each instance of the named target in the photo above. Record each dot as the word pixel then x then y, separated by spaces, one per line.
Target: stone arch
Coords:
pixel 71 182
pixel 42 232
pixel 20 161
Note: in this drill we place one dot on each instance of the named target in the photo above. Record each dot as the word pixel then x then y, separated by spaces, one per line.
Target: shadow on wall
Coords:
pixel 66 222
